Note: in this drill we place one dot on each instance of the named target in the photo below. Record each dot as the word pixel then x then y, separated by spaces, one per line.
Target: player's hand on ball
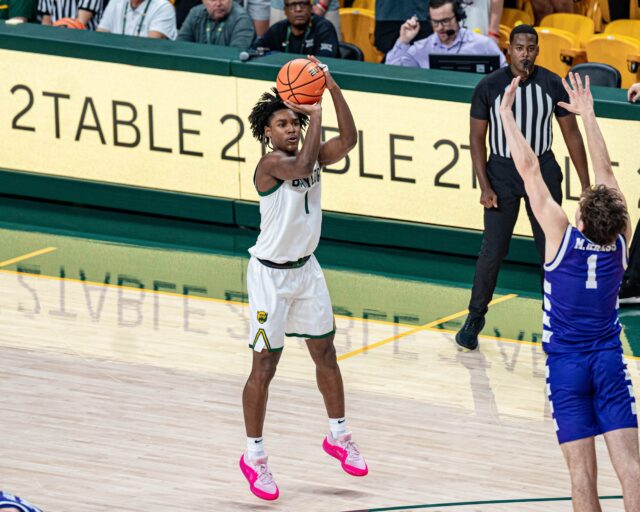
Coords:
pixel 488 198
pixel 308 110
pixel 579 95
pixel 331 83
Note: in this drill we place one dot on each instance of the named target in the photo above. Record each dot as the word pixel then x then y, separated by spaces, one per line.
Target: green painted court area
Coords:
pixel 202 260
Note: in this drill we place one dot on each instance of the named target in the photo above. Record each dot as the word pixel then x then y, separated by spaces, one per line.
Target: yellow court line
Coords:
pixel 421 328
pixel 171 294
pixel 27 256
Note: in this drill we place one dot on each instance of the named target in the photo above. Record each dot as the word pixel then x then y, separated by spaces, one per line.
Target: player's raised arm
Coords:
pixel 581 102
pixel 338 147
pixel 548 213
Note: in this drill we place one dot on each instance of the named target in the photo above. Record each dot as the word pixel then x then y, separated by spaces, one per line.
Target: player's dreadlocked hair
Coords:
pixel 262 112
pixel 603 214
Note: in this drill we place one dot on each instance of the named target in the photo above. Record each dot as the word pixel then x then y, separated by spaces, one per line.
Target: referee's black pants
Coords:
pixel 633 270
pixel 499 222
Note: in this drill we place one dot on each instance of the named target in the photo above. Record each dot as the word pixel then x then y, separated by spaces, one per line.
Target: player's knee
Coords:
pixel 630 470
pixel 264 371
pixel 327 356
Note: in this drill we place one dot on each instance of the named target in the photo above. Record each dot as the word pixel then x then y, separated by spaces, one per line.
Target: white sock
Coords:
pixel 337 426
pixel 255 447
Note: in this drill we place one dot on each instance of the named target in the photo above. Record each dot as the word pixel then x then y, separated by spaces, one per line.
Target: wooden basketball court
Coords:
pixel 120 398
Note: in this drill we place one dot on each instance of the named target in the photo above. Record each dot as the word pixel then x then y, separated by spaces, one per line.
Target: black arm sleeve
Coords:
pixel 480 108
pixel 559 94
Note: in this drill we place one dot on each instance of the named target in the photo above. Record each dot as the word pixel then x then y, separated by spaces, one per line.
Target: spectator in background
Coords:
pixel 221 22
pixel 324 8
pixel 484 16
pixel 543 7
pixel 302 32
pixel 140 18
pixel 86 11
pixel 449 38
pixel 257 9
pixel 19 10
pixel 390 16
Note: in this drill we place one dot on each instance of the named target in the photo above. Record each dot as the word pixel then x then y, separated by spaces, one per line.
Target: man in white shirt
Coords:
pixel 484 16
pixel 448 38
pixel 140 18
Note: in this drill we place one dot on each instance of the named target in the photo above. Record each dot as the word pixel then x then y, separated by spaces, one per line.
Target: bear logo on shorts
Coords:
pixel 262 316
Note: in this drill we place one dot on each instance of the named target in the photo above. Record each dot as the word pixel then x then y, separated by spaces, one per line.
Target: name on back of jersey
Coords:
pixel 581 245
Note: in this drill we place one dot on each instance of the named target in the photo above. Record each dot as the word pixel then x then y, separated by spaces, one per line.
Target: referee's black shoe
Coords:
pixel 467 337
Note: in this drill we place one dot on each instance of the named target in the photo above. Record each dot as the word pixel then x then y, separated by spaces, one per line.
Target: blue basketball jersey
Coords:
pixel 9 501
pixel 581 295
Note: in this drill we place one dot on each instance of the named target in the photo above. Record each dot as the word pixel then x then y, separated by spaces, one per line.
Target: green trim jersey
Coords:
pixel 290 219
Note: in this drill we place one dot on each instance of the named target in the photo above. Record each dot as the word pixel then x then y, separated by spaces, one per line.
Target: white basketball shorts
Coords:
pixel 287 302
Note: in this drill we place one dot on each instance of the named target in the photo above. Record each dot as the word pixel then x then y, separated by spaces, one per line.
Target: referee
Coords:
pixel 502 188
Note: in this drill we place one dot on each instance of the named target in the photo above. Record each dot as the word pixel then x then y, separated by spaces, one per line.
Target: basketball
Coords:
pixel 301 81
pixel 69 23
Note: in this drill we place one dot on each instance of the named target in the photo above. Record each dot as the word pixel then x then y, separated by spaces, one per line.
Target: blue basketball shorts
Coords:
pixel 590 393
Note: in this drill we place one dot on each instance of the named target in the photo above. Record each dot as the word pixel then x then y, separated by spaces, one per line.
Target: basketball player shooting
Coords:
pixel 288 295
pixel 588 383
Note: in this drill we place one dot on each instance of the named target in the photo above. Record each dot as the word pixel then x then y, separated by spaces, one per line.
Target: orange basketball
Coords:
pixel 69 23
pixel 301 81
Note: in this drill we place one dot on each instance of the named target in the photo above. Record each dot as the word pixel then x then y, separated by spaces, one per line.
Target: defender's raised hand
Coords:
pixel 581 101
pixel 509 95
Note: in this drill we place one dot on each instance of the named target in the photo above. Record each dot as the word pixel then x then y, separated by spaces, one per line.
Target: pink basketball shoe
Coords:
pixel 260 478
pixel 346 451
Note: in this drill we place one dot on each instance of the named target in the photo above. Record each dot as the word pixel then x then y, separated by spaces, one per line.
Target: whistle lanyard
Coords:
pixel 218 31
pixel 306 35
pixel 124 17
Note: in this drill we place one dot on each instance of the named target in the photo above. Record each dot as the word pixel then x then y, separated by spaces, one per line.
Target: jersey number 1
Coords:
pixel 592 262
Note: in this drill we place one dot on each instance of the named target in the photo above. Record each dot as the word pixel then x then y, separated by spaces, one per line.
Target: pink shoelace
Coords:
pixel 352 450
pixel 264 475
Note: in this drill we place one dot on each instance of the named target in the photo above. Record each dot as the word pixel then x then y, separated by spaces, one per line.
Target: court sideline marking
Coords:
pixel 33 254
pixel 486 502
pixel 431 326
pixel 424 327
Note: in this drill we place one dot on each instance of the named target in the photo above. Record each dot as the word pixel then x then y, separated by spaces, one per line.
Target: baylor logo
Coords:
pixel 262 316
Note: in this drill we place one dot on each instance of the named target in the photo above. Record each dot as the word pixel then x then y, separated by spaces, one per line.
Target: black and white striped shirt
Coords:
pixel 536 101
pixel 59 9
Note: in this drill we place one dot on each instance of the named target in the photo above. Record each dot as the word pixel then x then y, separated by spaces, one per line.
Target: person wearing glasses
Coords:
pixel 445 17
pixel 302 32
pixel 219 22
pixel 328 9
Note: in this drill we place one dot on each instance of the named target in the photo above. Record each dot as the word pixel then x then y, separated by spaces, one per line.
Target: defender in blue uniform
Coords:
pixel 588 384
pixel 10 503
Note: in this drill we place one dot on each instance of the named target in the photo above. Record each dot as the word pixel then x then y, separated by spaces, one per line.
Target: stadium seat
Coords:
pixel 357 26
pixel 629 28
pixel 581 26
pixel 364 4
pixel 621 52
pixel 559 50
pixel 350 51
pixel 601 75
pixel 592 9
pixel 525 5
pixel 513 17
pixel 634 10
pixel 505 32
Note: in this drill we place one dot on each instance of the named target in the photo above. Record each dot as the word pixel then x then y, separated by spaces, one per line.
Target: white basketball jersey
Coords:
pixel 290 220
